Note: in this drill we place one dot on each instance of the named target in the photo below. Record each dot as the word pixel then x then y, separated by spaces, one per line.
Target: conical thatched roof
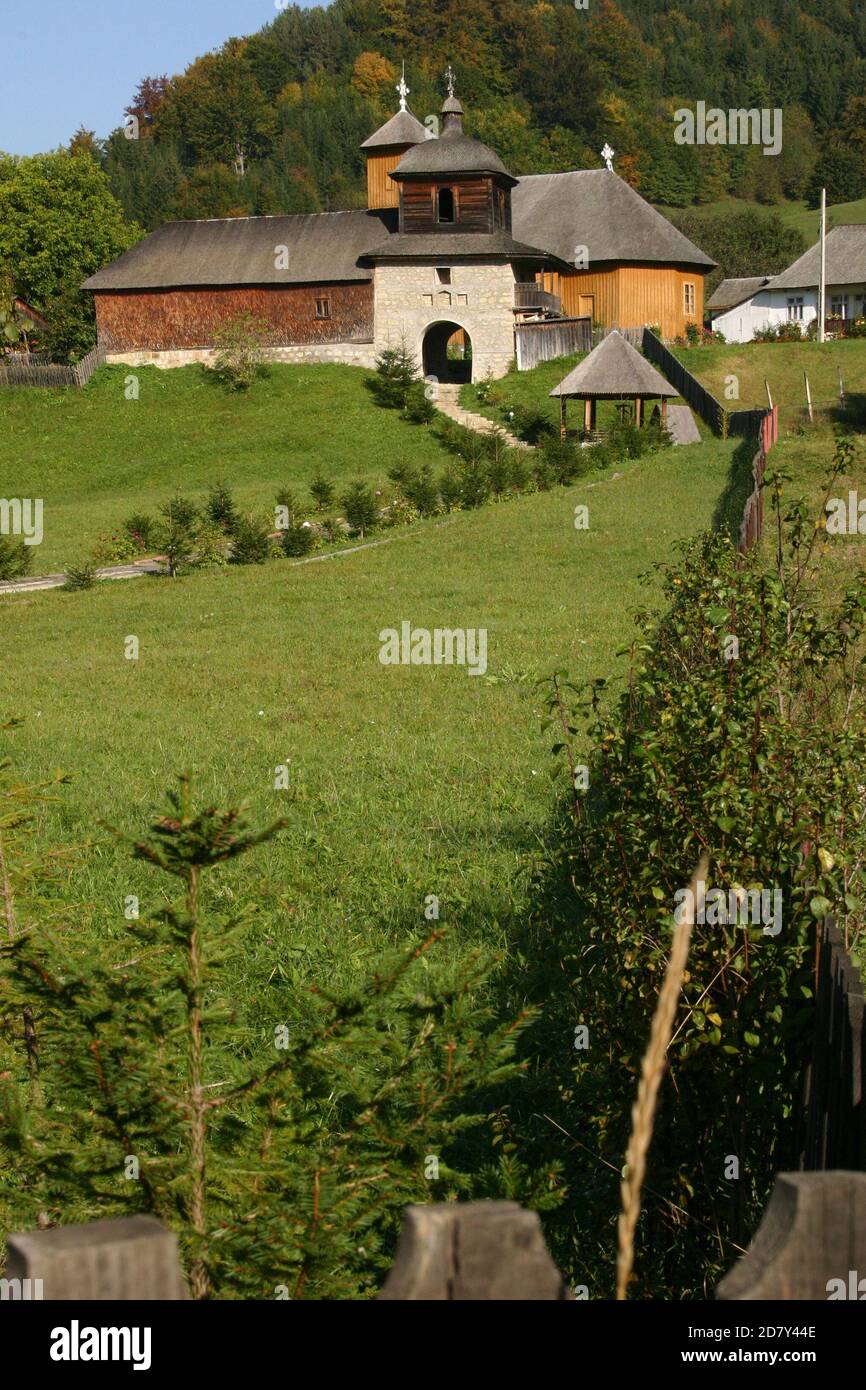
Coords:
pixel 614 369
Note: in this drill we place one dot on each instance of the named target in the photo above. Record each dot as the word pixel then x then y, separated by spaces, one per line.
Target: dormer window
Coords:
pixel 445 203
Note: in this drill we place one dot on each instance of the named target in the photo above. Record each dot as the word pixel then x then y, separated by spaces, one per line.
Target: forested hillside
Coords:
pixel 272 122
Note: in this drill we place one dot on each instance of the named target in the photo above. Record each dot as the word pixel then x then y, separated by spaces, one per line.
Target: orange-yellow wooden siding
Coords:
pixel 383 192
pixel 632 295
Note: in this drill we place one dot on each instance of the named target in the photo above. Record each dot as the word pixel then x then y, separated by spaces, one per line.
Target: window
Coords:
pixel 839 306
pixel 689 298
pixel 445 205
pixel 323 307
pixel 795 308
pixel 443 274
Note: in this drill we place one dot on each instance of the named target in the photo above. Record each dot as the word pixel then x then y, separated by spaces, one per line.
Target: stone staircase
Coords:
pixel 449 403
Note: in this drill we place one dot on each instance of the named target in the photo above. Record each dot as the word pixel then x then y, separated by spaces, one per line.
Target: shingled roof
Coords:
pixel 736 291
pixel 452 153
pixel 322 247
pixel 597 209
pixel 846 262
pixel 449 246
pixel 614 369
pixel 402 129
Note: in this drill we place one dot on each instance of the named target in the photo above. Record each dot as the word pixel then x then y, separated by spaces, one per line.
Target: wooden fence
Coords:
pixel 34 372
pixel 813 1231
pixel 752 527
pixel 541 342
pixel 835 1123
pixel 691 390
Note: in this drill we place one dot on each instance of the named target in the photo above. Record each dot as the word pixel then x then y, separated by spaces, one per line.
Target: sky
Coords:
pixel 71 63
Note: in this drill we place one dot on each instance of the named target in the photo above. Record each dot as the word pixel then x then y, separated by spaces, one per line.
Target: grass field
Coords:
pixel 782 365
pixel 95 457
pixel 404 780
pixel 794 214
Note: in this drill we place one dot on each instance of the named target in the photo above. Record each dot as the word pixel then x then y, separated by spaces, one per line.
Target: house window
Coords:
pixel 689 298
pixel 443 274
pixel 839 306
pixel 323 307
pixel 445 205
pixel 795 308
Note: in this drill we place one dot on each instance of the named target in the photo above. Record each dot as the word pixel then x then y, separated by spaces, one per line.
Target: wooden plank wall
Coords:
pixel 631 295
pixel 162 320
pixel 835 1134
pixel 382 191
pixel 474 206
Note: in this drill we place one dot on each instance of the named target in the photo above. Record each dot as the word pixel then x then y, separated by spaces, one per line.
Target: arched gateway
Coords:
pixel 447 352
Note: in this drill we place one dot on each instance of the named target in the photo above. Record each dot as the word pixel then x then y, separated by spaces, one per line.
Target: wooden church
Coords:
pixel 452 249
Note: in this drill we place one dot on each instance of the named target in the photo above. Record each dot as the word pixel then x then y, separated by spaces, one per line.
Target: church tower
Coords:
pixel 387 146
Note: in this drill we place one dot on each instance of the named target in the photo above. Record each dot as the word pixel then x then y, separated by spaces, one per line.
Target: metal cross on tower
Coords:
pixel 403 89
pixel 607 155
pixel 449 74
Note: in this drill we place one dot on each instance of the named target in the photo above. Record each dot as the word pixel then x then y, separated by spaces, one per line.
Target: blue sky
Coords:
pixel 68 63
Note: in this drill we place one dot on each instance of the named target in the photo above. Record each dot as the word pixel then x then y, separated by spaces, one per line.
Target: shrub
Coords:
pixel 240 350
pixel 175 536
pixel 361 507
pixel 397 372
pixel 79 577
pixel 252 541
pixel 694 334
pixel 531 424
pixel 474 480
pixel 115 548
pixel 210 546
pixel 450 487
pixel 420 489
pixel 417 408
pixel 289 1159
pixel 322 493
pixel 564 459
pixel 141 530
pixel 298 539
pixel 16 558
pixel 220 507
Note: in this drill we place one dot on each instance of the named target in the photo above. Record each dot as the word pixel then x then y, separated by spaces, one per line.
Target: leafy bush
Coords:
pixel 115 548
pixel 241 345
pixel 210 546
pixel 530 424
pixel 418 486
pixel 450 488
pixel 141 530
pixel 751 753
pixel 564 460
pixel 175 535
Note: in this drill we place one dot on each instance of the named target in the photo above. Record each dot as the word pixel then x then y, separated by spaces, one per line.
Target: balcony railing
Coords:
pixel 532 296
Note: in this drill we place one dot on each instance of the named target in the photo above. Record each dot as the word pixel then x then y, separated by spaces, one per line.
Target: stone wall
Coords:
pixel 350 354
pixel 480 299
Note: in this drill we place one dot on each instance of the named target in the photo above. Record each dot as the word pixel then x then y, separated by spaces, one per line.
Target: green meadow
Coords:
pixel 96 457
pixel 403 780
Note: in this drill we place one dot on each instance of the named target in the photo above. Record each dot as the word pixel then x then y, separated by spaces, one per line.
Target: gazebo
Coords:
pixel 613 371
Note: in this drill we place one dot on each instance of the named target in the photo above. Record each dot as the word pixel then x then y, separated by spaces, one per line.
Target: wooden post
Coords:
pixel 638 411
pixel 841 387
pixel 458 1251
pixel 587 415
pixel 133 1257
pixel 769 393
pixel 664 409
pixel 808 396
pixel 811 1241
pixel 562 421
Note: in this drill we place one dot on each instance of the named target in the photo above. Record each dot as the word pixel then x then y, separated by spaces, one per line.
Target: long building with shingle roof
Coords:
pixel 452 254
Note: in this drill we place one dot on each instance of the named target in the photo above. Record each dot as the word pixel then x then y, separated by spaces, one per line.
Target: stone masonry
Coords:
pixel 409 298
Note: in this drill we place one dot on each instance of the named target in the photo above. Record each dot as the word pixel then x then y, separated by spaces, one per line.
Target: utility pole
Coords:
pixel 822 288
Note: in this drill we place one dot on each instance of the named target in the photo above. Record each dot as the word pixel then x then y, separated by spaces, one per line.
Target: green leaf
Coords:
pixel 751 1039
pixel 820 907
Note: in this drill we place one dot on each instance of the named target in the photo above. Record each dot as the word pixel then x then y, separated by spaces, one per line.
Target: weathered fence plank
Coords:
pixel 543 341
pixel 835 1128
pixel 43 373
pixel 133 1257
pixel 473 1251
pixel 811 1243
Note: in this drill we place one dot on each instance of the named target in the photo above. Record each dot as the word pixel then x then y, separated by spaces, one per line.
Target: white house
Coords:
pixel 739 307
